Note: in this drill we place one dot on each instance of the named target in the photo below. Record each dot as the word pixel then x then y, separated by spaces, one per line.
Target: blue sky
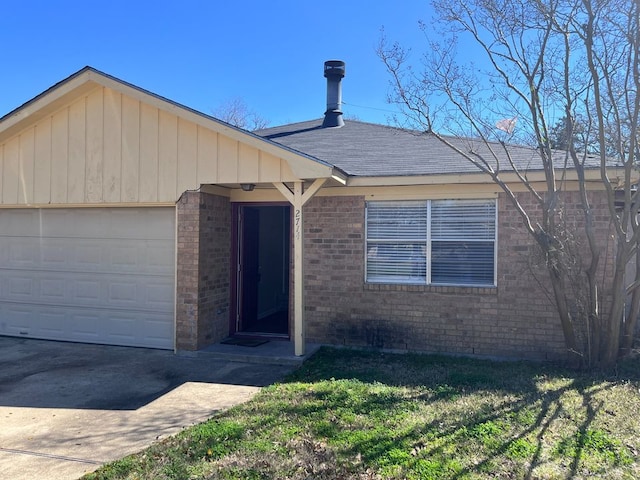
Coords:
pixel 203 53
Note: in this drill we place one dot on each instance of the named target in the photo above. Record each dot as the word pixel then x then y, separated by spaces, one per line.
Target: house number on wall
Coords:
pixel 298 222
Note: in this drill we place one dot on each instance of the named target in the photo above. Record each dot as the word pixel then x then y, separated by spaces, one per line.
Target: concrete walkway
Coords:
pixel 67 408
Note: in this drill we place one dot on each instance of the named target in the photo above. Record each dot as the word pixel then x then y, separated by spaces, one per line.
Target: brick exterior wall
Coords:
pixel 203 276
pixel 516 319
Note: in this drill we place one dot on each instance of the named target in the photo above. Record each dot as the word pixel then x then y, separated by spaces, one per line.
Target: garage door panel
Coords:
pixel 153 225
pixel 88 255
pixel 87 291
pixel 124 330
pixel 16 286
pixel 21 287
pixel 54 256
pixel 125 256
pixel 20 253
pixel 16 320
pixel 148 293
pixel 122 327
pixel 124 293
pixel 157 329
pixel 103 223
pixel 159 295
pixel 51 324
pixel 154 257
pixel 87 325
pixel 74 285
pixel 53 290
pixel 159 258
pixel 20 222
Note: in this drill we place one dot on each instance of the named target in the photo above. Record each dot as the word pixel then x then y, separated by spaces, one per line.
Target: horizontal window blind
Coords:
pixel 469 219
pixel 462 263
pixel 462 242
pixel 396 242
pixel 451 242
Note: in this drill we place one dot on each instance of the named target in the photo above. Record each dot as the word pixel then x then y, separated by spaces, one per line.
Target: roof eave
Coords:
pixel 591 175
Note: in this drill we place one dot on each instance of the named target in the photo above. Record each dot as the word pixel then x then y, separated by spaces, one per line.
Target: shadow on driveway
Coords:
pixel 45 374
pixel 67 408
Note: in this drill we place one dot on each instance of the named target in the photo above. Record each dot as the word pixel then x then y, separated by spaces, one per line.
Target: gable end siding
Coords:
pixel 108 148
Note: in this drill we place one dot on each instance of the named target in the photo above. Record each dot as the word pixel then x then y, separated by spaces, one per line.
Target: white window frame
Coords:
pixel 428 250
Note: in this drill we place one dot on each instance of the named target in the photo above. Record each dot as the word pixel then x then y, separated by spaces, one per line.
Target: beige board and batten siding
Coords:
pixel 106 147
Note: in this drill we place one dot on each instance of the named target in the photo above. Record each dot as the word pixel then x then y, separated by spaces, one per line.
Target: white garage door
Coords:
pixel 96 275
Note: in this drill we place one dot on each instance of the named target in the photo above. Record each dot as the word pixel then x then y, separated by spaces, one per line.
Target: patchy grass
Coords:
pixel 368 415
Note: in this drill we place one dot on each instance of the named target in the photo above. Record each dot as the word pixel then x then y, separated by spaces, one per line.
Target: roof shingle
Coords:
pixel 372 150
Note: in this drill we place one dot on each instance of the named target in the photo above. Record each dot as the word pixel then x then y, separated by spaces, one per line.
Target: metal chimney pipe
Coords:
pixel 334 71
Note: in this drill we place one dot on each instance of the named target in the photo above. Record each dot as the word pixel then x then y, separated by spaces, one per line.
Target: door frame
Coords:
pixel 235 258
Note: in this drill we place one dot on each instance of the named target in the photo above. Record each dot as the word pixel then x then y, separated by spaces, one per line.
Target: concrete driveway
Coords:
pixel 67 408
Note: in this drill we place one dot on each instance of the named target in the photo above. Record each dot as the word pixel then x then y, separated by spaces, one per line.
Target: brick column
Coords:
pixel 203 260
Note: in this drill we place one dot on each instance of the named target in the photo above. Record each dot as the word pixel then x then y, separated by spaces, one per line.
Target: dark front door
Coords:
pixel 263 269
pixel 250 266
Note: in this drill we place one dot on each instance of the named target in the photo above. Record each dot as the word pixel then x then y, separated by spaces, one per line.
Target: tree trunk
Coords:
pixel 631 317
pixel 576 358
pixel 610 344
pixel 629 328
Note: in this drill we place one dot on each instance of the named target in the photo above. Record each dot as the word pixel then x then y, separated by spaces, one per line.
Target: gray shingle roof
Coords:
pixel 371 150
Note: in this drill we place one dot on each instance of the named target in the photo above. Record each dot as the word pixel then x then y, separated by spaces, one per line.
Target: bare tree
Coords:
pixel 541 61
pixel 236 112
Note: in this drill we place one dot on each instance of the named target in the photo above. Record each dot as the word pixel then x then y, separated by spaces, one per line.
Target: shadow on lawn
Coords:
pixel 433 379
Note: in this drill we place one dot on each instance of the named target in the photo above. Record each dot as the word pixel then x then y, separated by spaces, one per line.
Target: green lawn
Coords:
pixel 367 415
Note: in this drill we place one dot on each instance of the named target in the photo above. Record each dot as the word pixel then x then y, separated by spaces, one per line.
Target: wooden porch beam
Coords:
pixel 313 189
pixel 297 197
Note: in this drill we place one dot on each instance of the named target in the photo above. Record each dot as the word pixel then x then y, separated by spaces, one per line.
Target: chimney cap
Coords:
pixel 334 68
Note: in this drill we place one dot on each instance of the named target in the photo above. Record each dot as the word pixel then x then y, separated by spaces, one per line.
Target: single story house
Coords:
pixel 128 219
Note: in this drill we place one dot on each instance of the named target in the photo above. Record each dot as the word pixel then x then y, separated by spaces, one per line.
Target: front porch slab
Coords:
pixel 270 353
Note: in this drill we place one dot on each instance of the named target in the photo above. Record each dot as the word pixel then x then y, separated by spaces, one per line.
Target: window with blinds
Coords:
pixel 397 242
pixel 440 242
